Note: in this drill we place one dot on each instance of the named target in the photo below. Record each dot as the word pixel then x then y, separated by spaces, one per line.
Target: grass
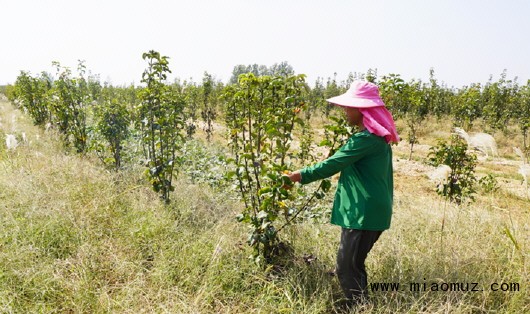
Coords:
pixel 76 238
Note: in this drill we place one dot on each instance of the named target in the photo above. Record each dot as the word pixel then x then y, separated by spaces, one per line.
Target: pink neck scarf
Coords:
pixel 378 121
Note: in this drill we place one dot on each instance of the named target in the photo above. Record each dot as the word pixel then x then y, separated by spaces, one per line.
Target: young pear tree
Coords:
pixel 261 113
pixel 161 123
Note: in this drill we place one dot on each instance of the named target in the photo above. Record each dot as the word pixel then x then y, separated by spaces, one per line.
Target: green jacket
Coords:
pixel 364 195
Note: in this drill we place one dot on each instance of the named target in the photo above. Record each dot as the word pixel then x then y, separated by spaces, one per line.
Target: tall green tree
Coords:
pixel 261 114
pixel 161 124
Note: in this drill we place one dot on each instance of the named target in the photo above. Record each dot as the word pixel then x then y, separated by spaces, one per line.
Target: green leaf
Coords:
pixel 264 191
pixel 286 181
pixel 325 143
pixel 272 176
pixel 326 185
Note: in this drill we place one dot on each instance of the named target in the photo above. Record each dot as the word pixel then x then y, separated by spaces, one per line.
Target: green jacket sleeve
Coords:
pixel 358 146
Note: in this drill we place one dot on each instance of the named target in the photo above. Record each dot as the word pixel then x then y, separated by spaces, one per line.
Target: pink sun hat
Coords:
pixel 361 94
pixel 376 118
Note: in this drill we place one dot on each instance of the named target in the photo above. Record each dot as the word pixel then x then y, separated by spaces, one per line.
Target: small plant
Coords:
pixel 205 164
pixel 488 183
pixel 460 184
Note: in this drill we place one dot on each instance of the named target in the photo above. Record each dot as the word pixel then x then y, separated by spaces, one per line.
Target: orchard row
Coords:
pixel 260 112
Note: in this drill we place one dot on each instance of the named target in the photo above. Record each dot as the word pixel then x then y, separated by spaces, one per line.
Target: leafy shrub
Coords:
pixel 112 126
pixel 488 183
pixel 205 165
pixel 460 185
pixel 33 93
pixel 71 98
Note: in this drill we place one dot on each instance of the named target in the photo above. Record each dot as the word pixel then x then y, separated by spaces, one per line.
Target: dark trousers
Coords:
pixel 351 272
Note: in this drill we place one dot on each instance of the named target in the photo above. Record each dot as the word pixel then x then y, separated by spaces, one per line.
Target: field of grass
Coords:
pixel 76 238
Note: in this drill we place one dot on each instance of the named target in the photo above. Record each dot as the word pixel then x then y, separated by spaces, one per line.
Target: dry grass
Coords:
pixel 78 239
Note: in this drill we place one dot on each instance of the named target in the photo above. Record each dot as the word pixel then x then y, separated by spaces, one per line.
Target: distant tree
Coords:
pixel 415 112
pixel 94 86
pixel 467 106
pixel 238 70
pixel 191 94
pixel 208 104
pixel 371 75
pixel 521 115
pixel 391 88
pixel 435 96
pixel 407 102
pixel 351 77
pixel 277 69
pixel 497 97
pixel 332 89
pixel 257 70
pixel 316 98
pixel 281 69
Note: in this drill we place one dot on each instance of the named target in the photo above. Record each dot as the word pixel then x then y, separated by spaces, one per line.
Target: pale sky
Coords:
pixel 465 41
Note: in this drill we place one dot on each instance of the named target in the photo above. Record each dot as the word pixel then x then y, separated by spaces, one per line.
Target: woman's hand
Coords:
pixel 294 177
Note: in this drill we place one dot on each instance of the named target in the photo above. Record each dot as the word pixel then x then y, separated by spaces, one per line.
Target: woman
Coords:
pixel 363 200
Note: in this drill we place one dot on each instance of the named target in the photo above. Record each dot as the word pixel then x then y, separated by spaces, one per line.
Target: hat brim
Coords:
pixel 346 100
